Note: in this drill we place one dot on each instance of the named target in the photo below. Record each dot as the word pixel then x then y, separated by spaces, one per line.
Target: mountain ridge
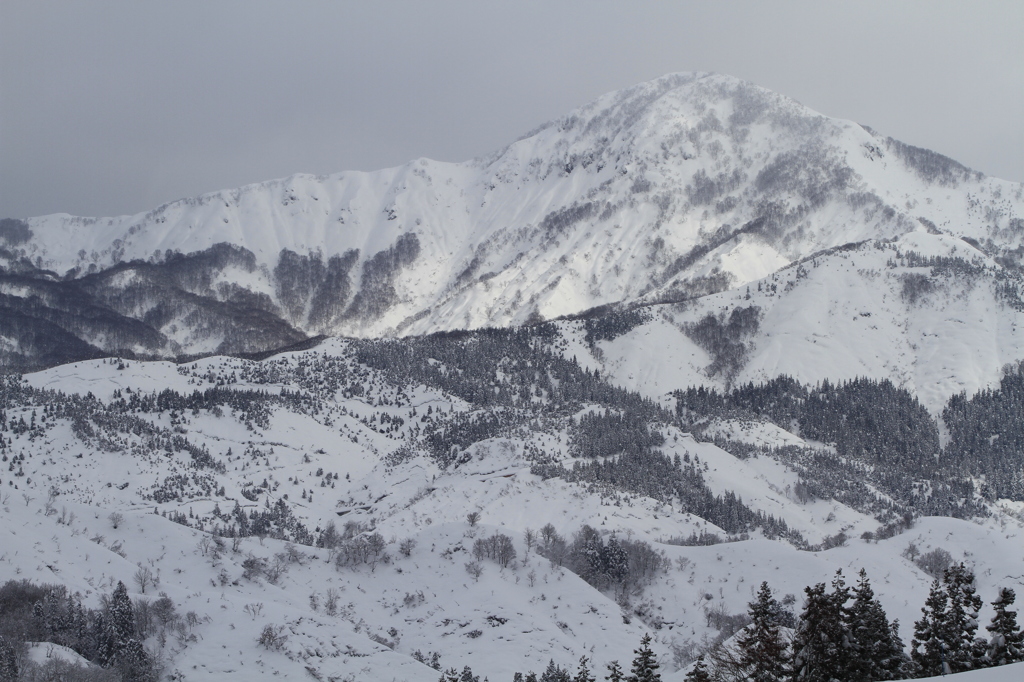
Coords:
pixel 672 189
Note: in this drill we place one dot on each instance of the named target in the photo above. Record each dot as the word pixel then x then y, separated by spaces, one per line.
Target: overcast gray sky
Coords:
pixel 116 107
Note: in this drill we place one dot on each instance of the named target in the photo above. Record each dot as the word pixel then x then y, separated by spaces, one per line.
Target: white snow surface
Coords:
pixel 511 619
pixel 837 316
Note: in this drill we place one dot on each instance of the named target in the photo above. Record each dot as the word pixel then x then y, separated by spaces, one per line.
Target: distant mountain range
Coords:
pixel 685 186
pixel 517 412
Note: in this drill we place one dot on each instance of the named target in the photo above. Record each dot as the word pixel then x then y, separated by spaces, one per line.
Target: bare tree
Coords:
pixel 331 602
pixel 473 518
pixel 530 538
pixel 375 546
pixel 272 638
pixel 116 518
pixel 144 578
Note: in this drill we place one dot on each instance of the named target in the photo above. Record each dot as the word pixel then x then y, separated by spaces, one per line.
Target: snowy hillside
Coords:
pixel 603 383
pixel 928 312
pixel 273 451
pixel 689 184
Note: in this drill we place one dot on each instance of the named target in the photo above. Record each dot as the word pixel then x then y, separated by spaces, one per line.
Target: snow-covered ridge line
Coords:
pixel 642 191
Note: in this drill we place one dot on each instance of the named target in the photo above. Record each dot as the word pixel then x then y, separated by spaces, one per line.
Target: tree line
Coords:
pixel 842 633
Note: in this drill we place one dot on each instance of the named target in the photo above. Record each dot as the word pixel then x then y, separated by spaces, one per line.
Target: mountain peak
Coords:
pixel 667 190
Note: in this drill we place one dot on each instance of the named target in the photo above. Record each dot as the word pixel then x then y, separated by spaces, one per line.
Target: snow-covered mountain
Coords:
pixel 365 426
pixel 221 476
pixel 686 185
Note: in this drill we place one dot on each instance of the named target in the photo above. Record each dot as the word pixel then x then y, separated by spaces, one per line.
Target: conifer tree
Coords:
pixel 449 675
pixel 822 649
pixel 946 632
pixel 555 673
pixel 134 663
pixel 965 652
pixel 468 676
pixel 8 660
pixel 878 651
pixel 645 663
pixel 615 673
pixel 928 646
pixel 763 652
pixel 583 673
pixel 699 672
pixel 1007 642
pixel 120 622
pixel 814 646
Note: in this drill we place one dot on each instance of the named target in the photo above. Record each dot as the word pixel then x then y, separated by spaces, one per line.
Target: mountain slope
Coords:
pixel 226 473
pixel 689 184
pixel 927 312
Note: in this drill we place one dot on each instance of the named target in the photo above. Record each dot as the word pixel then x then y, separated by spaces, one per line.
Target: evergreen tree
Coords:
pixel 699 672
pixel 1007 642
pixel 878 651
pixel 120 623
pixel 134 663
pixel 555 673
pixel 468 676
pixel 762 646
pixel 449 675
pixel 583 673
pixel 99 642
pixel 946 632
pixel 8 660
pixel 645 663
pixel 615 673
pixel 822 649
pixel 928 646
pixel 965 652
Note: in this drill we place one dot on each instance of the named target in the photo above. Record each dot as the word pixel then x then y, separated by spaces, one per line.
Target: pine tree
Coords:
pixel 762 647
pixel 928 646
pixel 555 673
pixel 468 676
pixel 878 651
pixel 823 646
pixel 948 627
pixel 449 675
pixel 645 663
pixel 964 651
pixel 120 621
pixel 8 660
pixel 814 645
pixel 1007 641
pixel 699 672
pixel 583 673
pixel 134 663
pixel 615 672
